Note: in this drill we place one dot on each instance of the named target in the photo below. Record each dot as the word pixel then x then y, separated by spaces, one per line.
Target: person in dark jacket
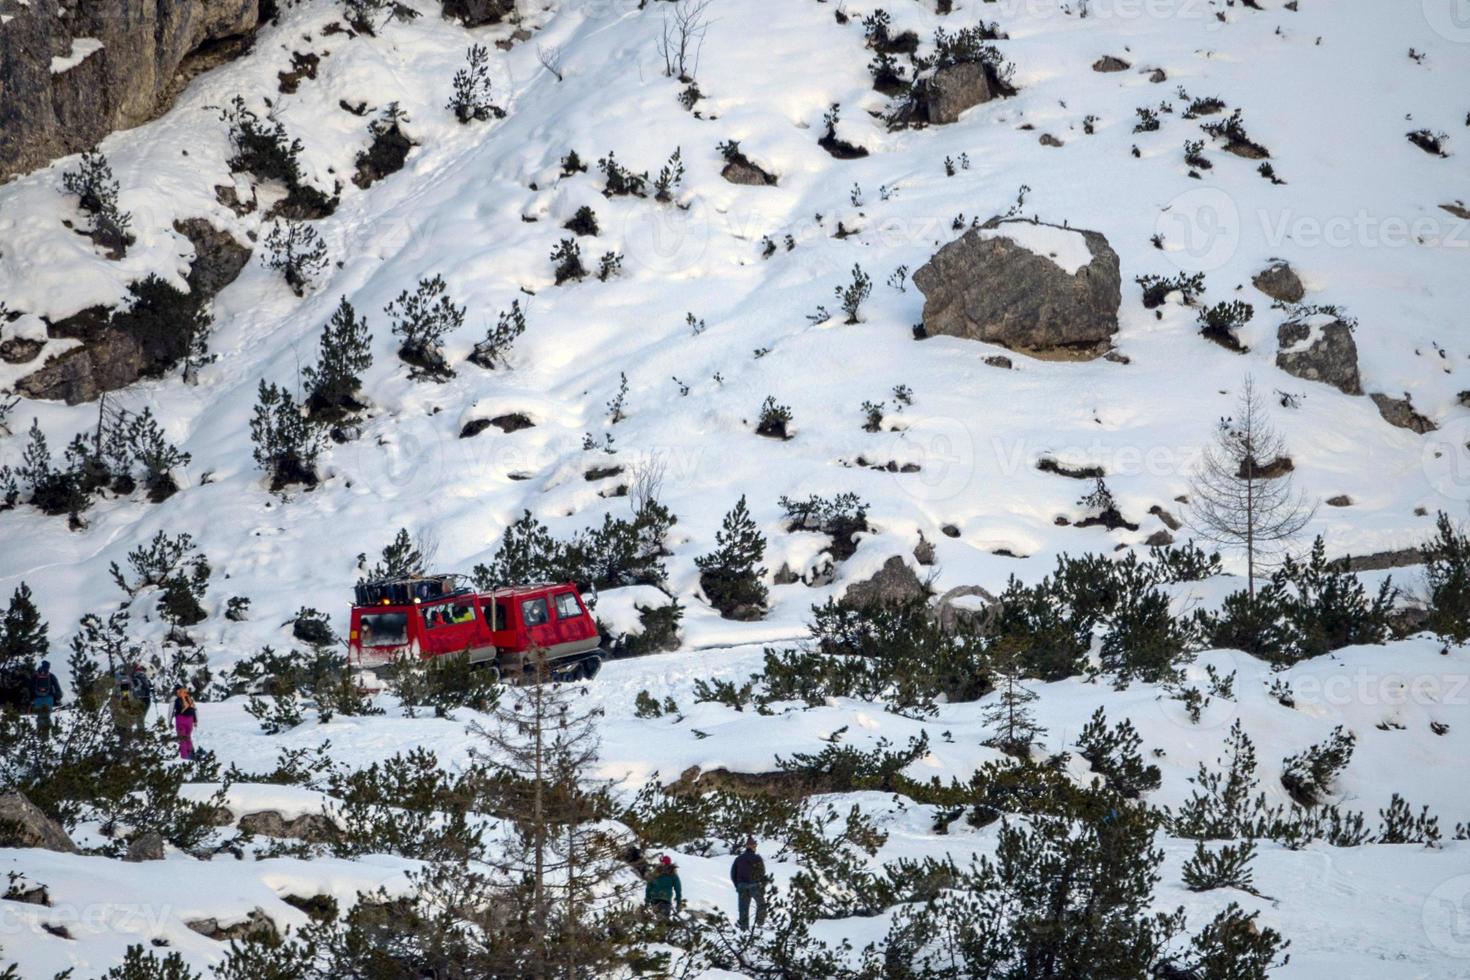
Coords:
pixel 748 874
pixel 45 695
pixel 663 891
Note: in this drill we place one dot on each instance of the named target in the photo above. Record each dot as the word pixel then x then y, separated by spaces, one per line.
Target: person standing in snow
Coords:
pixel 748 875
pixel 185 718
pixel 128 712
pixel 663 891
pixel 45 695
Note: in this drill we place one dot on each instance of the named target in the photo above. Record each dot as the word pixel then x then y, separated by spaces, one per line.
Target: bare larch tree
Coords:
pixel 1241 497
pixel 561 864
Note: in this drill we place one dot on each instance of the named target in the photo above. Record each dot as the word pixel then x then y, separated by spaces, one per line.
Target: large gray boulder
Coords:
pixel 1027 285
pixel 894 583
pixel 1325 353
pixel 944 95
pixel 70 73
pixel 23 824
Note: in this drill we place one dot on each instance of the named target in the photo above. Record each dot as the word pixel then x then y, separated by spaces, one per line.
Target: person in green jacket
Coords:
pixel 129 712
pixel 663 891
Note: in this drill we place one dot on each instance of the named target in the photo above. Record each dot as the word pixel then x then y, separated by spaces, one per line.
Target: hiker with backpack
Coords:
pixel 45 695
pixel 663 891
pixel 129 712
pixel 185 718
pixel 748 875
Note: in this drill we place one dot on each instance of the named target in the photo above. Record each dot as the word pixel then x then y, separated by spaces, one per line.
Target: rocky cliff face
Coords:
pixel 72 71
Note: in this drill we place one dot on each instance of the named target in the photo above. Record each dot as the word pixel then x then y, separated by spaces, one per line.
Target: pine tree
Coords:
pixel 143 441
pixel 1447 577
pixel 96 190
pixel 1114 754
pixel 1233 947
pixel 494 349
pixel 1065 897
pixel 286 442
pixel 1227 867
pixel 527 553
pixel 731 574
pixel 140 963
pixel 332 383
pixel 23 636
pixel 402 557
pixel 297 252
pixel 1237 502
pixel 421 321
pixel 1010 719
pixel 1222 806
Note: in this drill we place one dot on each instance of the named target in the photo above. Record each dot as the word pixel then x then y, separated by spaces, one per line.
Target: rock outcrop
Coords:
pixel 72 73
pixel 478 13
pixel 892 584
pixel 145 847
pixel 23 824
pixel 1026 285
pixel 1400 412
pixel 1325 353
pixel 1280 282
pixel 950 91
pixel 966 607
pixel 121 346
pixel 310 827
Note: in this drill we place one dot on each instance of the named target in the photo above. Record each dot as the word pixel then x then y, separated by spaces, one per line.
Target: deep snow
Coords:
pixel 1329 89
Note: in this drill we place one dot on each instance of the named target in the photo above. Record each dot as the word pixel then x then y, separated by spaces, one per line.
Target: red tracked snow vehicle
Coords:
pixel 503 629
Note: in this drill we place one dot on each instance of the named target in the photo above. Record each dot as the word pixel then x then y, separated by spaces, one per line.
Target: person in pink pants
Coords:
pixel 185 716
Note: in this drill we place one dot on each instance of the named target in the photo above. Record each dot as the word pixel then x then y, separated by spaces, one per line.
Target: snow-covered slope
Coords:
pixel 1330 88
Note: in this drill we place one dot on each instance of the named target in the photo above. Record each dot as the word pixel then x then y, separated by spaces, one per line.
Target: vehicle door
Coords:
pixel 536 616
pixel 571 620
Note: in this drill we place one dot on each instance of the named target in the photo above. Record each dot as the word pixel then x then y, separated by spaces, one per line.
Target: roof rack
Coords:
pixel 405 590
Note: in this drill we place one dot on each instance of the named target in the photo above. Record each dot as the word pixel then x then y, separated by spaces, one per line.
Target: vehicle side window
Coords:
pixel 566 606
pixel 450 614
pixel 534 612
pixel 502 616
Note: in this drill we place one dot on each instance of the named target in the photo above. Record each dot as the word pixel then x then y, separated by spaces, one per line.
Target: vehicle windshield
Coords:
pixel 388 629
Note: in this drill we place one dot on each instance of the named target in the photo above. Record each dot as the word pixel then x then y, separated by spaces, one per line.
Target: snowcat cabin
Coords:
pixel 552 618
pixel 429 617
